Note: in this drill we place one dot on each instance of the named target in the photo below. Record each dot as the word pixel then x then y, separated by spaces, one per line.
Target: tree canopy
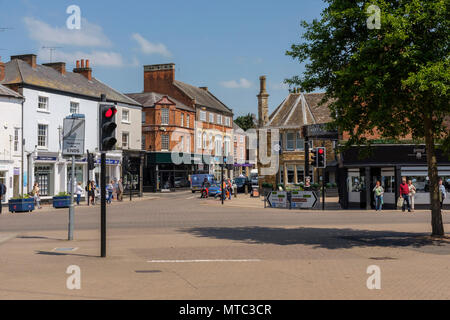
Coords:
pixel 246 122
pixel 393 79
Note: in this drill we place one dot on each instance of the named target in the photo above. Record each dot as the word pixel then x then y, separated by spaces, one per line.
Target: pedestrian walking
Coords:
pixel 2 194
pixel 36 195
pixel 412 193
pixel 229 188
pixel 442 193
pixel 404 194
pixel 78 192
pixel 120 190
pixel 110 190
pixel 92 190
pixel 378 193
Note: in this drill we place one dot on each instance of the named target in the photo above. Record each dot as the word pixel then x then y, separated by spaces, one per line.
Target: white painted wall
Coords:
pixel 10 118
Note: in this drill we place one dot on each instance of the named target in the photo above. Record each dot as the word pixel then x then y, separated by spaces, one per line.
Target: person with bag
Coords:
pixel 2 195
pixel 442 193
pixel 412 193
pixel 78 192
pixel 36 195
pixel 404 194
pixel 378 193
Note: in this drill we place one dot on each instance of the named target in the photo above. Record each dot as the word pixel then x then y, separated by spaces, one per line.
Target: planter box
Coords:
pixel 21 205
pixel 61 202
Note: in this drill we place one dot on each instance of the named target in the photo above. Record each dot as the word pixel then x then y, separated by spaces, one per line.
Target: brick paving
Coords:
pixel 285 254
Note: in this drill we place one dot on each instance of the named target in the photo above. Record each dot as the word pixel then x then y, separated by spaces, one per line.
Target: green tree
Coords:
pixel 246 122
pixel 394 79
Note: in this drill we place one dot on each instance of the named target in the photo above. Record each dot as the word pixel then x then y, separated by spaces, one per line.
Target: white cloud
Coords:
pixel 233 84
pixel 90 35
pixel 148 47
pixel 97 58
pixel 278 86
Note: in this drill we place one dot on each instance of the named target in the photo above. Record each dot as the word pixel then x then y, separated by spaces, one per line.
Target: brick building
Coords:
pixel 213 125
pixel 167 129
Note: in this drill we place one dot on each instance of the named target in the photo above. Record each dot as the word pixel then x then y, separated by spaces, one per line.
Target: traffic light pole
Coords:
pixel 71 206
pixel 103 204
pixel 323 189
pixel 306 173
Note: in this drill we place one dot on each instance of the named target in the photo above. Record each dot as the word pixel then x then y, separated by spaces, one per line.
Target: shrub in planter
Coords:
pixel 21 204
pixel 61 200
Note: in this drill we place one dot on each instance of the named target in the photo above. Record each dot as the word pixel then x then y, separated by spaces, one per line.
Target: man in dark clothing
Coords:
pixel 2 194
pixel 404 193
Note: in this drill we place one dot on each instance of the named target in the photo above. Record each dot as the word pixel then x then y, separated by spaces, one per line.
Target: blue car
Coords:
pixel 197 181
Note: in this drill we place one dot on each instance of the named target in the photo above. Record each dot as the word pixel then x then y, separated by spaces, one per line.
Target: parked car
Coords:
pixel 241 182
pixel 181 182
pixel 197 181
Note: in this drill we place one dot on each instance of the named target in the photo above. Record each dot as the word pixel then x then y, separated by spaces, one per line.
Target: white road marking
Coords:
pixel 190 198
pixel 204 260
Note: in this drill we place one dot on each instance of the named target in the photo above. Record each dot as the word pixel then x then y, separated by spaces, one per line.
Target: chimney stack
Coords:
pixel 263 103
pixel 28 58
pixel 2 70
pixel 58 66
pixel 158 77
pixel 86 71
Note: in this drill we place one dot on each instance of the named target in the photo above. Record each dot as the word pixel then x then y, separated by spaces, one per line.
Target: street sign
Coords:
pixel 277 199
pixel 303 199
pixel 73 135
pixel 320 131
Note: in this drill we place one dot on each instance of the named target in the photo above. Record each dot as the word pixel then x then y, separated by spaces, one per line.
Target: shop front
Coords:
pixel 164 173
pixel 388 164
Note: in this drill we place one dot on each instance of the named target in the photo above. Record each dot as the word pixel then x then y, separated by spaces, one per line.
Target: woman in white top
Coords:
pixel 412 193
pixel 78 192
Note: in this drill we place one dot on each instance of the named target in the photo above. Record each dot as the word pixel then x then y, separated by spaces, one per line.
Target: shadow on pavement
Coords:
pixel 329 238
pixel 52 253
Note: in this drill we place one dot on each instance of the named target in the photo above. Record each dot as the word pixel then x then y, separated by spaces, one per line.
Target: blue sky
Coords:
pixel 224 45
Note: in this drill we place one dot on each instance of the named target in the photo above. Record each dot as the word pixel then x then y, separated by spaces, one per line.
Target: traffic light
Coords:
pixel 107 127
pixel 313 157
pixel 321 157
pixel 91 161
pixel 126 164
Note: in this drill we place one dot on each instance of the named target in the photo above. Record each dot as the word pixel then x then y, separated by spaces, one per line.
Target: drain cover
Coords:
pixel 148 271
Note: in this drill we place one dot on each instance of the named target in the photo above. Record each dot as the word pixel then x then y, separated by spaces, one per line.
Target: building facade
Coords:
pixel 51 93
pixel 213 128
pixel 282 134
pixel 167 132
pixel 10 140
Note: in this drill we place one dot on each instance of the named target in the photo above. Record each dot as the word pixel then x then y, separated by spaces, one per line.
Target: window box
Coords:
pixel 21 205
pixel 61 201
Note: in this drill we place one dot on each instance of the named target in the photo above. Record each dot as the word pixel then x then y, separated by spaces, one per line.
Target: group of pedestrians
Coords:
pixel 407 195
pixel 113 189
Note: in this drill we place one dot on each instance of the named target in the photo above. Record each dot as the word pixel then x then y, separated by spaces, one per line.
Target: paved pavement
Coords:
pixel 176 246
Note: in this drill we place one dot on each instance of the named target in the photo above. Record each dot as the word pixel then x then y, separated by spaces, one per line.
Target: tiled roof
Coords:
pixel 300 109
pixel 4 91
pixel 202 97
pixel 148 99
pixel 20 72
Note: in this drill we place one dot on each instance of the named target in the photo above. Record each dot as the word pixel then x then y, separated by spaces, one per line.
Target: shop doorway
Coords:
pixel 3 180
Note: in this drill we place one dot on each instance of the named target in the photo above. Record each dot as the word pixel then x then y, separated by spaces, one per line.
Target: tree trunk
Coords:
pixel 436 215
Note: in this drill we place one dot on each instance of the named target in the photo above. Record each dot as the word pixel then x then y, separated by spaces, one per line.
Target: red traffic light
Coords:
pixel 110 112
pixel 321 151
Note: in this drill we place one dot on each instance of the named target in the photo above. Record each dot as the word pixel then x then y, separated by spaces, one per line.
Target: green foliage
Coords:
pixel 246 122
pixel 394 81
pixel 389 79
pixel 21 197
pixel 267 185
pixel 63 194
